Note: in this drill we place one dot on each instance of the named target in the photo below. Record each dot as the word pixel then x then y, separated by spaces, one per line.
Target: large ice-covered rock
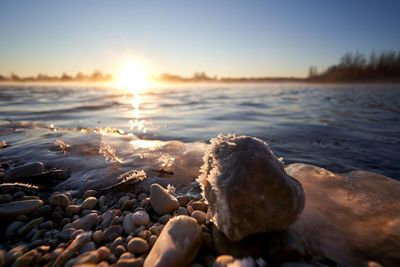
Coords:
pixel 247 188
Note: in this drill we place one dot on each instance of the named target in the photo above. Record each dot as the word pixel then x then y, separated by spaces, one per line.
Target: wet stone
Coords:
pixel 11 210
pixel 89 203
pixel 161 201
pixel 60 200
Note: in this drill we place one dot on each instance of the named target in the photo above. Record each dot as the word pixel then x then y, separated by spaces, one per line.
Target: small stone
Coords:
pixel 24 171
pixel 141 218
pixel 42 211
pixel 183 200
pixel 86 223
pixel 161 201
pixel 182 211
pixel 177 245
pixel 89 203
pixel 141 196
pixel 128 224
pixel 119 250
pixel 97 236
pixel 22 218
pixel 76 233
pixel 11 210
pixel 198 205
pixel 223 261
pixel 65 221
pixel 103 253
pixel 73 209
pixel 103 264
pixel 5 198
pixel 88 257
pixel 102 201
pixel 129 262
pixel 12 229
pixel 28 258
pixel 165 218
pixel 60 200
pixel 199 216
pixel 145 234
pixel 152 240
pixel 46 225
pixel 127 205
pixel 138 245
pixel 29 226
pixel 89 193
pixel 90 246
pixel 189 209
pixel 127 255
pixel 118 241
pixel 112 233
pixel 156 229
pixel 72 248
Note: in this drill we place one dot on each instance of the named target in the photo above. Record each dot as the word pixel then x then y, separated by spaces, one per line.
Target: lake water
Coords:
pixel 338 127
pixel 97 134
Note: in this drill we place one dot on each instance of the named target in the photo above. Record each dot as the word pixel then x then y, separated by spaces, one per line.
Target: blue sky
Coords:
pixel 225 38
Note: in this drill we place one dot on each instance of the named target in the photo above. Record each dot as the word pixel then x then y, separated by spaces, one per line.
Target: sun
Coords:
pixel 133 77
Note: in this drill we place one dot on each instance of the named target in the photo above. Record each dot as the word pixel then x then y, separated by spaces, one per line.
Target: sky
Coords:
pixel 223 38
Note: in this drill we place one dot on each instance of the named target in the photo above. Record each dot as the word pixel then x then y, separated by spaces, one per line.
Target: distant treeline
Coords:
pixel 356 67
pixel 96 76
pixel 203 77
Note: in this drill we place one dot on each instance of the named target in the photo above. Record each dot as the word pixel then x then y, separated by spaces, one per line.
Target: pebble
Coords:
pixel 156 229
pixel 103 253
pixel 177 244
pixel 152 240
pixel 12 228
pixel 199 205
pixel 183 200
pixel 88 257
pixel 102 201
pixel 22 218
pixel 73 209
pixel 90 246
pixel 27 259
pixel 199 216
pixel 182 211
pixel 89 203
pixel 42 211
pixel 23 171
pixel 145 234
pixel 76 233
pixel 72 248
pixel 128 224
pixel 127 205
pixel 86 223
pixel 127 255
pixel 141 196
pixel 112 233
pixel 119 250
pixel 161 201
pixel 138 245
pixel 11 210
pixel 97 236
pixel 89 193
pixel 116 242
pixel 129 262
pixel 29 226
pixel 140 218
pixel 60 200
pixel 223 261
pixel 5 198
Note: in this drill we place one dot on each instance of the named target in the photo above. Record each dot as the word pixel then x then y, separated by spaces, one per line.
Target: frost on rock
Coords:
pixel 247 188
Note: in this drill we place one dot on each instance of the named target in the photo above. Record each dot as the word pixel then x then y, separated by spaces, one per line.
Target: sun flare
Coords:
pixel 133 77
